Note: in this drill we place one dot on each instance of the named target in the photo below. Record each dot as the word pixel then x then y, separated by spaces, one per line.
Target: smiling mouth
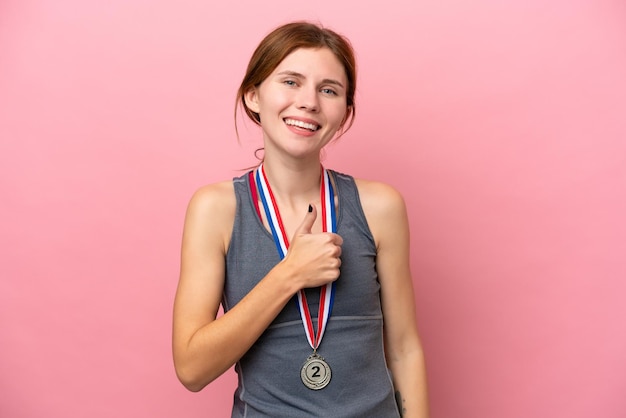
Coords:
pixel 304 125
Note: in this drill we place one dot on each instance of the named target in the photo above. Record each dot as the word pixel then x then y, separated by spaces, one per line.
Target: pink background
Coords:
pixel 502 122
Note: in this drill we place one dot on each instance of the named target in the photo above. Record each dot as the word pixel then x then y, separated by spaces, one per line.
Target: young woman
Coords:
pixel 311 265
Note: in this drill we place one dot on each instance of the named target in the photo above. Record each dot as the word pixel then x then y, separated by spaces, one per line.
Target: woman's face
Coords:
pixel 302 103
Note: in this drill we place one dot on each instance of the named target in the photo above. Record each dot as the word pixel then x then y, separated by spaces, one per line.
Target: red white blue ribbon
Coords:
pixel 329 224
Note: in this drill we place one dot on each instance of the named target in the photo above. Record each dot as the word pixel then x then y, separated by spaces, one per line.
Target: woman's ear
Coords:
pixel 251 99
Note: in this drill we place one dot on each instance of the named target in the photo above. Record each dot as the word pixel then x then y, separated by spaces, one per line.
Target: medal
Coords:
pixel 315 372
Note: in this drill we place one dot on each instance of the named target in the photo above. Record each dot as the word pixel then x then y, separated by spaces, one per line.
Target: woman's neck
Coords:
pixel 294 182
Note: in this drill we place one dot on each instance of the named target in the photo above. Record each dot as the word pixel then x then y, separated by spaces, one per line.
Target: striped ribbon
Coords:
pixel 329 224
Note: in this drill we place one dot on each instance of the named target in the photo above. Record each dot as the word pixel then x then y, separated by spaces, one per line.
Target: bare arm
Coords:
pixel 205 347
pixel 386 214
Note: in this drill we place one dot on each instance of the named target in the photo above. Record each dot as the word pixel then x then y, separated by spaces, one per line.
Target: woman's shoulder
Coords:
pixel 214 201
pixel 384 209
pixel 214 194
pixel 378 197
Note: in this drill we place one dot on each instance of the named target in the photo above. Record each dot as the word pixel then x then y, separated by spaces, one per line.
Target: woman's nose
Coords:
pixel 308 100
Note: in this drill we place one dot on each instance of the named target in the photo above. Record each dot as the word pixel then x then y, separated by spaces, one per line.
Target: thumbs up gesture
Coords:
pixel 314 258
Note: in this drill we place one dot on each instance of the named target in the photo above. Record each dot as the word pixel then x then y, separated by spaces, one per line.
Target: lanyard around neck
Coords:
pixel 329 224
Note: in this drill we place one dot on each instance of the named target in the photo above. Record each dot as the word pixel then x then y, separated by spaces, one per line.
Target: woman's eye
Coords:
pixel 329 91
pixel 290 82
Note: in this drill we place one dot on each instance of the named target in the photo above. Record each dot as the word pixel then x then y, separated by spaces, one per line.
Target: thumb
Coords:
pixel 307 223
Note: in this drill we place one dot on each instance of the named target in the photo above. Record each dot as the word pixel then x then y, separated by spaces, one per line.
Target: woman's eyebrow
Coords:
pixel 299 75
pixel 332 81
pixel 292 73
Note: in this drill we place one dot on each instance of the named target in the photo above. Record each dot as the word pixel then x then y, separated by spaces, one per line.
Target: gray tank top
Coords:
pixel 269 373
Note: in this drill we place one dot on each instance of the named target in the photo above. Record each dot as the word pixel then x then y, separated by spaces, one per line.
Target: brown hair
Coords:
pixel 281 42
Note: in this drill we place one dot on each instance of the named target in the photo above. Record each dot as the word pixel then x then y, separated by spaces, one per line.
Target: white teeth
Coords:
pixel 300 124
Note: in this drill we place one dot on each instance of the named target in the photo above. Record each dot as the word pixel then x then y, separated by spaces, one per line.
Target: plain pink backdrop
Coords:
pixel 502 122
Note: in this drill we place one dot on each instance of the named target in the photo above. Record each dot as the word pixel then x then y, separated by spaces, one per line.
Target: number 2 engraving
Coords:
pixel 315 373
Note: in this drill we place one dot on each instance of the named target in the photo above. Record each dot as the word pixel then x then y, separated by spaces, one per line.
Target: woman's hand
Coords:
pixel 313 258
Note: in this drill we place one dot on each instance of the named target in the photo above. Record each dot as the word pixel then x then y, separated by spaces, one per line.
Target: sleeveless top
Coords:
pixel 269 383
